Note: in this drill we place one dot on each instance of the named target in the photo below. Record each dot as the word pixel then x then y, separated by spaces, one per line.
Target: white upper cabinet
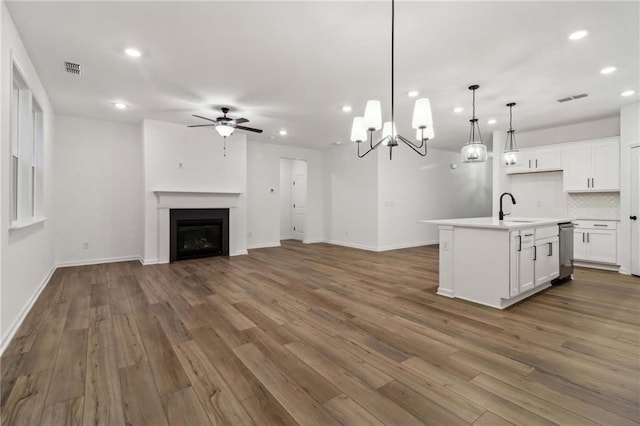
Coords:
pixel 592 166
pixel 533 160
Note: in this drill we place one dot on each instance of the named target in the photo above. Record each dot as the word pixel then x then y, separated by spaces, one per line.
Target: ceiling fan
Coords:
pixel 224 125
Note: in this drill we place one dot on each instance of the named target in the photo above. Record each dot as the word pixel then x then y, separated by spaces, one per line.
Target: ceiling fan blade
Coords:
pixel 202 125
pixel 249 129
pixel 241 120
pixel 205 118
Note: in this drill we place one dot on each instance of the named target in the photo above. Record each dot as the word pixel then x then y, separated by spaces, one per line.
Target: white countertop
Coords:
pixel 494 223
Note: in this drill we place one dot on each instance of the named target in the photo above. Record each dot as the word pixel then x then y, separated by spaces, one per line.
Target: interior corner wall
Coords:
pixel 438 186
pixel 263 193
pixel 98 190
pixel 629 137
pixel 352 198
pixel 27 255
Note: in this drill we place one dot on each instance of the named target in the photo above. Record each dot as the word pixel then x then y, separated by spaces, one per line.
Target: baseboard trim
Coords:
pixel 265 245
pixel 602 266
pixel 86 262
pixel 239 253
pixel 381 249
pixel 25 310
pixel 312 241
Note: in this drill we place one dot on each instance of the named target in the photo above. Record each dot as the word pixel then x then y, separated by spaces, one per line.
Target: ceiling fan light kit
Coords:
pixel 364 127
pixel 474 151
pixel 225 126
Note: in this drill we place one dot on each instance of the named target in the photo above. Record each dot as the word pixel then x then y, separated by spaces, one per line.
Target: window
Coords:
pixel 27 140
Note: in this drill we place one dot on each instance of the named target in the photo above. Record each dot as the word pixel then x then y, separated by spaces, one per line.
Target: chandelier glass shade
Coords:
pixel 224 130
pixel 474 151
pixel 363 128
pixel 511 155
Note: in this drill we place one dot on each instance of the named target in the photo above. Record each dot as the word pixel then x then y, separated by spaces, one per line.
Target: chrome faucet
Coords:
pixel 501 214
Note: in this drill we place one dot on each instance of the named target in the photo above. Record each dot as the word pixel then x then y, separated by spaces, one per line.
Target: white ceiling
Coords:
pixel 293 65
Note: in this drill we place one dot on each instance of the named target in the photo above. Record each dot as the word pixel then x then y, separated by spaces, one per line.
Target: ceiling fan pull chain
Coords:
pixel 224 146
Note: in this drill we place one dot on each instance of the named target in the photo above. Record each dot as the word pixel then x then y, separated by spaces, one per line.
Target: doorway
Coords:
pixel 635 211
pixel 293 198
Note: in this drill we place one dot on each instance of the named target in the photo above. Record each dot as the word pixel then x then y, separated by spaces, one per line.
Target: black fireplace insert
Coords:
pixel 198 233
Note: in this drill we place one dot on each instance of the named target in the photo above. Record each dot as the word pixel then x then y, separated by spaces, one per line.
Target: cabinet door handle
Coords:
pixel 588 236
pixel 583 237
pixel 536 163
pixel 588 183
pixel 600 225
pixel 593 182
pixel 535 252
pixel 550 249
pixel 519 243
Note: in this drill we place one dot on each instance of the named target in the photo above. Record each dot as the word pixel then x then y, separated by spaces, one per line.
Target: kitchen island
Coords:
pixel 497 263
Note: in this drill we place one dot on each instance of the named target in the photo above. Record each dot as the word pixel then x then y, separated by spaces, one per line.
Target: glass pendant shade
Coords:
pixel 511 158
pixel 358 130
pixel 224 130
pixel 474 152
pixel 427 133
pixel 422 114
pixel 373 115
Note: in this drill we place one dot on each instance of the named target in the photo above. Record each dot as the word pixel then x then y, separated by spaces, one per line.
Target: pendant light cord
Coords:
pixel 393 11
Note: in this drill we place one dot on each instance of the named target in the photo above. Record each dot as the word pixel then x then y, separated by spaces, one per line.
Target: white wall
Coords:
pixel 352 198
pixel 413 188
pixel 286 219
pixel 537 195
pixel 629 137
pixel 178 158
pixel 26 254
pixel 569 133
pixel 98 187
pixel 263 206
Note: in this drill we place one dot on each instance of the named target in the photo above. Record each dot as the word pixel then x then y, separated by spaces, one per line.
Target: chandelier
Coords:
pixel 474 151
pixel 363 128
pixel 510 156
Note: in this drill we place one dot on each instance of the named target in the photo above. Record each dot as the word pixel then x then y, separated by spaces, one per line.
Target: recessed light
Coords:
pixel 133 52
pixel 608 70
pixel 627 93
pixel 120 105
pixel 413 93
pixel 577 35
pixel 346 108
pixel 458 109
pixel 491 121
pixel 283 132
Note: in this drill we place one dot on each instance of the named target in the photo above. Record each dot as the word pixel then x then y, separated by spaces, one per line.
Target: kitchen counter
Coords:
pixel 497 263
pixel 510 223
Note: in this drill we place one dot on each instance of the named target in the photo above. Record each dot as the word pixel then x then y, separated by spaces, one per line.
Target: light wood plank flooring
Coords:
pixel 319 334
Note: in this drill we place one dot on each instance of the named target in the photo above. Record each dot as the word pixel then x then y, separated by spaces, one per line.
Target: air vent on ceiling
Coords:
pixel 72 68
pixel 570 98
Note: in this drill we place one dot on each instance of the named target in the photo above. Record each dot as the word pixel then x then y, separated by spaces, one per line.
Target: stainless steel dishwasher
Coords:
pixel 566 252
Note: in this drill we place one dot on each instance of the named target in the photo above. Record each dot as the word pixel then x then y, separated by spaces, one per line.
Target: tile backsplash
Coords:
pixel 598 205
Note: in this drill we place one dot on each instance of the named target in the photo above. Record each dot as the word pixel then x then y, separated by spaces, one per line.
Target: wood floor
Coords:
pixel 319 334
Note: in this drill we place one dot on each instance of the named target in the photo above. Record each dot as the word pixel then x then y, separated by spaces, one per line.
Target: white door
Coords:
pixel 577 168
pixel 547 266
pixel 548 160
pixel 526 269
pixel 602 246
pixel 635 211
pixel 514 267
pixel 299 204
pixel 580 244
pixel 605 165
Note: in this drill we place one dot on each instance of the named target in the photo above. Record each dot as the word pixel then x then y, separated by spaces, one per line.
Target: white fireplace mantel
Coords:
pixel 198 199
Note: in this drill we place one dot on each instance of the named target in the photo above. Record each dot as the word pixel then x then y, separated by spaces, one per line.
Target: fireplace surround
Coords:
pixel 196 233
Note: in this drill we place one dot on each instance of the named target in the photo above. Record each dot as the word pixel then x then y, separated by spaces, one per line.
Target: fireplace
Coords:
pixel 198 233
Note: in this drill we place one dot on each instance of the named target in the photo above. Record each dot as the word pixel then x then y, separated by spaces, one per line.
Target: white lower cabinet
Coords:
pixel 595 242
pixel 534 259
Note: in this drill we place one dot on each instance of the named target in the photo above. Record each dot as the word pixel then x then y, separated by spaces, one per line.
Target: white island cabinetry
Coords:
pixel 497 263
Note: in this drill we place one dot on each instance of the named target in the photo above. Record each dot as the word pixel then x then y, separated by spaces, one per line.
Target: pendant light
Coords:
pixel 364 127
pixel 474 151
pixel 510 156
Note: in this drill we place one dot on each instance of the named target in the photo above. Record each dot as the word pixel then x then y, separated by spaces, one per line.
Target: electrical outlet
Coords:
pixel 85 245
pixel 346 233
pixel 250 234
